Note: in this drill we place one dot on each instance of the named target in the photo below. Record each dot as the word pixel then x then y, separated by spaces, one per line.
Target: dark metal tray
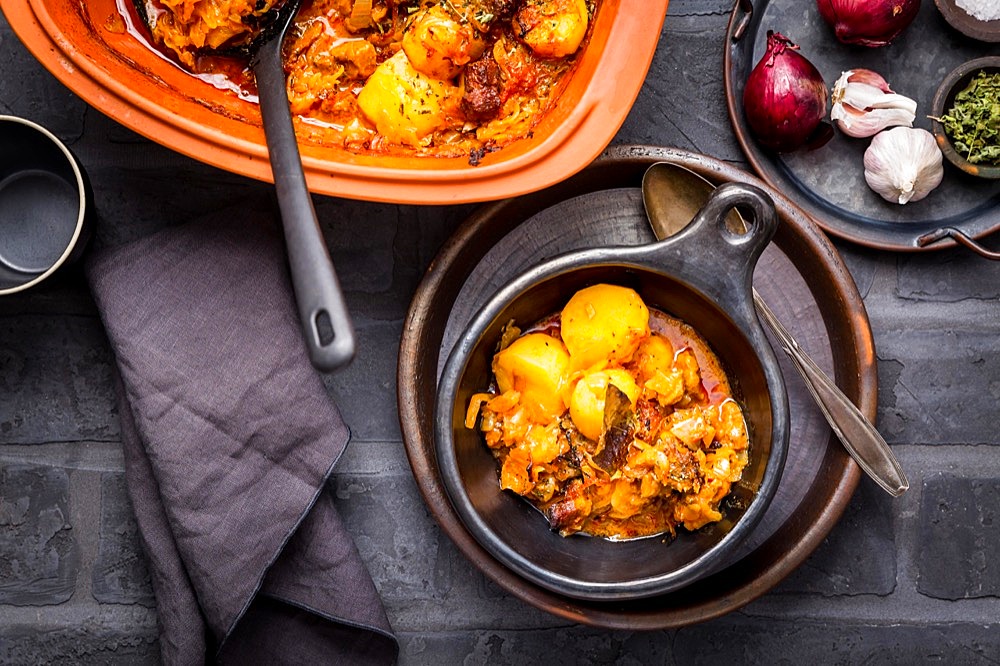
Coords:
pixel 828 182
pixel 800 274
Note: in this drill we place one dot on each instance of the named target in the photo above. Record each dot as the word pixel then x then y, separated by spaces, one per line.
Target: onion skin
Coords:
pixel 785 97
pixel 870 23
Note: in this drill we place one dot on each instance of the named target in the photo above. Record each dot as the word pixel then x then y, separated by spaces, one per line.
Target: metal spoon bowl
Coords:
pixel 673 195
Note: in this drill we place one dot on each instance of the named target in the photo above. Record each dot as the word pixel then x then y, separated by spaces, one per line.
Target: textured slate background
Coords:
pixel 898 581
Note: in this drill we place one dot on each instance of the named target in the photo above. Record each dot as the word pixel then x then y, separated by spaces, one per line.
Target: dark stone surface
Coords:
pixel 958 538
pixel 381 264
pixel 135 192
pixel 956 278
pixel 365 391
pixel 567 646
pixel 939 386
pixel 39 562
pixel 859 554
pixel 64 294
pixel 392 534
pixel 756 641
pixel 93 643
pixel 120 575
pixel 695 120
pixel 422 577
pixel 55 374
pixel 34 93
pixel 737 640
pixel 403 546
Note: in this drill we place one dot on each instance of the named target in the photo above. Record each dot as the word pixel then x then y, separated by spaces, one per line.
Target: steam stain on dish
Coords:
pixel 437 78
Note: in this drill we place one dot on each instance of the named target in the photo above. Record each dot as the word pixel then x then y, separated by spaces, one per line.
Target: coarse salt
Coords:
pixel 984 10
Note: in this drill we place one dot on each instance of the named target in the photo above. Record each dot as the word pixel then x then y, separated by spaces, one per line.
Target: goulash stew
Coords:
pixel 613 419
pixel 427 77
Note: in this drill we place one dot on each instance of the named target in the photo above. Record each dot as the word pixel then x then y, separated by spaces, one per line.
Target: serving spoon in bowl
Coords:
pixel 326 323
pixel 673 195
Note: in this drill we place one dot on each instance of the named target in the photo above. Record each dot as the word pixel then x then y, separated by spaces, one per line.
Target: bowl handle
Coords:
pixel 719 259
pixel 959 237
pixel 746 6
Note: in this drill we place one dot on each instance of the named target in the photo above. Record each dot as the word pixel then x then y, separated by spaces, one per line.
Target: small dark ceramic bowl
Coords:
pixel 45 202
pixel 967 24
pixel 703 276
pixel 954 83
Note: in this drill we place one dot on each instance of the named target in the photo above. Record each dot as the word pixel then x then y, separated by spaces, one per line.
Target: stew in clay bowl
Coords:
pixel 409 101
pixel 613 424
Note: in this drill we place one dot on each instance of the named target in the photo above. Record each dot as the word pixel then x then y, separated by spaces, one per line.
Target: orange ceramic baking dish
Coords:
pixel 88 47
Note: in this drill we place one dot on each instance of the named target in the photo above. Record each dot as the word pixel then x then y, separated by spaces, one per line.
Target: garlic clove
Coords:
pixel 903 164
pixel 862 96
pixel 865 76
pixel 859 92
pixel 853 122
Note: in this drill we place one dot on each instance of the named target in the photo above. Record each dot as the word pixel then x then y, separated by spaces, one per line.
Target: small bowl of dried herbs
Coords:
pixel 965 115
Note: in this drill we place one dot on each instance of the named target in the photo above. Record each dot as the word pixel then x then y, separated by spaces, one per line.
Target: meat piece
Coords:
pixel 566 466
pixel 481 100
pixel 319 63
pixel 682 472
pixel 619 430
pixel 501 9
pixel 567 515
pixel 357 56
pixel 649 417
pixel 562 514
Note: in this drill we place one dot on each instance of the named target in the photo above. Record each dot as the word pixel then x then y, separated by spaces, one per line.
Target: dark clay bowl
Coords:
pixel 45 205
pixel 703 276
pixel 967 24
pixel 954 83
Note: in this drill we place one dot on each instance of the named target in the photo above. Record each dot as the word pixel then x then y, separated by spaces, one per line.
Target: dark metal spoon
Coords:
pixel 323 311
pixel 673 195
pixel 326 323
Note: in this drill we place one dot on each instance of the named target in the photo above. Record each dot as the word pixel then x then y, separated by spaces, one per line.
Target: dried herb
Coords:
pixel 973 121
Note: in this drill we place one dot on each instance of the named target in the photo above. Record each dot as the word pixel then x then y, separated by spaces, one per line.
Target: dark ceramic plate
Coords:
pixel 828 183
pixel 803 279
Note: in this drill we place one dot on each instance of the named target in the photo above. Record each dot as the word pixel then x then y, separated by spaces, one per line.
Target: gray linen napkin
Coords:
pixel 229 439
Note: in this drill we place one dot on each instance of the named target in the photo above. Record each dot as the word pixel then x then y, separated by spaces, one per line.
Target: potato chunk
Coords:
pixel 552 28
pixel 438 45
pixel 586 403
pixel 654 354
pixel 406 106
pixel 537 366
pixel 603 324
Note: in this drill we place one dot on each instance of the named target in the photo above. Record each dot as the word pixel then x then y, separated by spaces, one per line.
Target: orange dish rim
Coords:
pixel 131 84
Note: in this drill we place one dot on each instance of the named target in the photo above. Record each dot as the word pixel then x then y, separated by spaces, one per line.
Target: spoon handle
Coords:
pixel 858 435
pixel 326 323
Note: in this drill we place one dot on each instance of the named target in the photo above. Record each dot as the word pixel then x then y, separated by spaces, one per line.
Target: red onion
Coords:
pixel 785 96
pixel 868 22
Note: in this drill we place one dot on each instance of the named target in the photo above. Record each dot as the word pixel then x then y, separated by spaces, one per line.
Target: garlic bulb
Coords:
pixel 903 164
pixel 864 105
